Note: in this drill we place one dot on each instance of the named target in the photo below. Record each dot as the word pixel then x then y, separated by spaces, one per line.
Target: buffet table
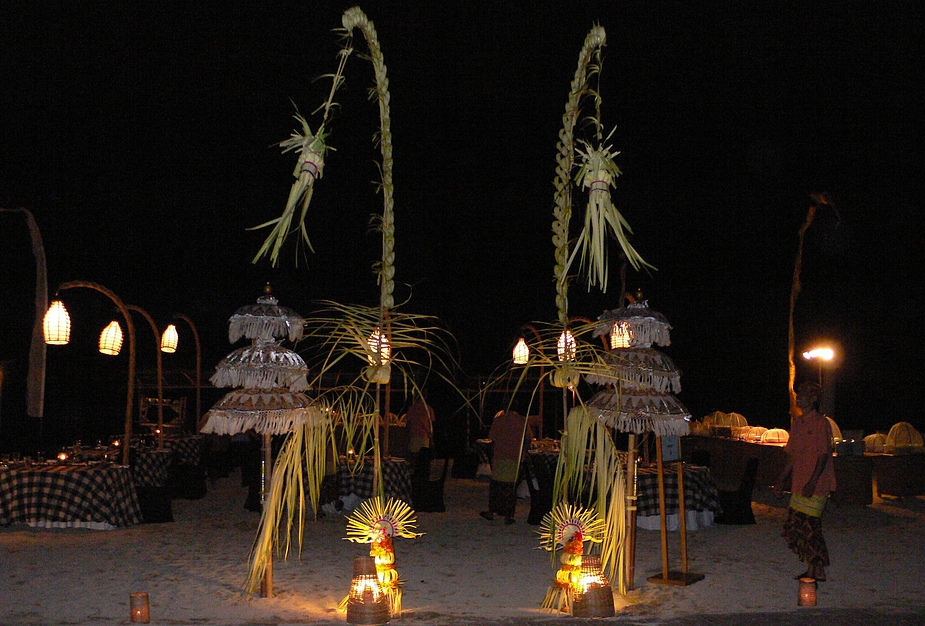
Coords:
pixel 701 500
pixel 89 495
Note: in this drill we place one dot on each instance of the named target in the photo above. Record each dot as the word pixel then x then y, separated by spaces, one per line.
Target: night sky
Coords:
pixel 141 136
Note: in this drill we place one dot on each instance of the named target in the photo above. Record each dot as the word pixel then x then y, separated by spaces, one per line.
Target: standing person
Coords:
pixel 419 420
pixel 510 435
pixel 810 467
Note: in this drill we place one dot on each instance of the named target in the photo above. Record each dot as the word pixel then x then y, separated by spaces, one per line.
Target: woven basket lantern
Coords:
pixel 367 603
pixel 592 595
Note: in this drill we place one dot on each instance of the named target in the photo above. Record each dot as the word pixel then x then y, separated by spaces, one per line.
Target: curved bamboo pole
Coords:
pixel 130 394
pixel 355 18
pixel 192 326
pixel 160 372
pixel 565 161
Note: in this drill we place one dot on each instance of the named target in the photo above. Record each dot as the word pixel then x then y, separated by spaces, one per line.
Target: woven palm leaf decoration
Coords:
pixel 377 522
pixel 567 527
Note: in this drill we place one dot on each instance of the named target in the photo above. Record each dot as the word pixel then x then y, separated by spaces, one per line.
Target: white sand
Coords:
pixel 463 570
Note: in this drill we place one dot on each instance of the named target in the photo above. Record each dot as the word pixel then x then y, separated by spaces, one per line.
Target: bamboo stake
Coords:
pixel 266 479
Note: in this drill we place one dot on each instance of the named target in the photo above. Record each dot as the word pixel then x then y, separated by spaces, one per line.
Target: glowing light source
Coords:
pixel 379 345
pixel 366 603
pixel 111 339
pixel 826 354
pixel 170 339
pixel 593 596
pixel 566 346
pixel 57 325
pixel 621 336
pixel 521 352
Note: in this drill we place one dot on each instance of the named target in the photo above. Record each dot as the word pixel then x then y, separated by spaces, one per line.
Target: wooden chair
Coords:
pixel 427 494
pixel 737 505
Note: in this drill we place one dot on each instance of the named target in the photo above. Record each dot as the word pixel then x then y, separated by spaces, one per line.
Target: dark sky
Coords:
pixel 141 137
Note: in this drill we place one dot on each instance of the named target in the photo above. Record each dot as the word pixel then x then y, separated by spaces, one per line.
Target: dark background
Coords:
pixel 141 138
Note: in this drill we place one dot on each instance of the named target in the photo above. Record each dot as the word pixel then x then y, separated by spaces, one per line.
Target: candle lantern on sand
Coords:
pixel 366 603
pixel 592 595
pixel 138 605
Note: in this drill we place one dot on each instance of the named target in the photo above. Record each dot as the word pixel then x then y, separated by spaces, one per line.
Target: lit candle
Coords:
pixel 138 603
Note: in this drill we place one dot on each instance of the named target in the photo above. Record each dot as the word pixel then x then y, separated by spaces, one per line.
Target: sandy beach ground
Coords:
pixel 464 570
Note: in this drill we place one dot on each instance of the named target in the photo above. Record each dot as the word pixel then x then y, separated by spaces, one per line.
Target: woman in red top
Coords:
pixel 809 465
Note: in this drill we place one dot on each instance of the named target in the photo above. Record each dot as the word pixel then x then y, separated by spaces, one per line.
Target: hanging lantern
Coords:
pixel 57 325
pixel 621 336
pixel 379 345
pixel 566 346
pixel 366 603
pixel 593 596
pixel 170 339
pixel 111 339
pixel 521 352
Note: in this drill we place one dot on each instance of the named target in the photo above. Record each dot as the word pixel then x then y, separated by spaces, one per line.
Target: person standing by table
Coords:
pixel 510 436
pixel 809 465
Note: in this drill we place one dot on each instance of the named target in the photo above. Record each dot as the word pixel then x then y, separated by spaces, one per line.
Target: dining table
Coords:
pixel 355 479
pixel 95 494
pixel 701 498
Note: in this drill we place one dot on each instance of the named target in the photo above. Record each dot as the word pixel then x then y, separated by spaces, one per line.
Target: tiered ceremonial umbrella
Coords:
pixel 639 398
pixel 269 381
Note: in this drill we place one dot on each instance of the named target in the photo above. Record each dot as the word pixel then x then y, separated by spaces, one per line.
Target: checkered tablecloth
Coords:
pixel 699 490
pixel 151 468
pixel 187 449
pixel 359 481
pixel 96 496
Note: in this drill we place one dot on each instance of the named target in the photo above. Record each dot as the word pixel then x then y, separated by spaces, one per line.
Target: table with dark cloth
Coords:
pixel 700 496
pixel 151 468
pixel 396 474
pixel 95 495
pixel 187 449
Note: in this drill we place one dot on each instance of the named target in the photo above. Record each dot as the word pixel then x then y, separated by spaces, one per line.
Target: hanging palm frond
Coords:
pixel 590 463
pixel 597 174
pixel 299 469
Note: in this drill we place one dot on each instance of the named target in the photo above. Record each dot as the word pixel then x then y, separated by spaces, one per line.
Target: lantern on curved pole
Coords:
pixel 111 339
pixel 170 341
pixel 54 323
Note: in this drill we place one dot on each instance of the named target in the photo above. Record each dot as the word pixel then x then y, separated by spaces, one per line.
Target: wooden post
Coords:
pixel 266 479
pixel 630 561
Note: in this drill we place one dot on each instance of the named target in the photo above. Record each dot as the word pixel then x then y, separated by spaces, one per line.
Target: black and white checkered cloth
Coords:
pixel 187 449
pixel 699 490
pixel 395 472
pixel 80 494
pixel 151 468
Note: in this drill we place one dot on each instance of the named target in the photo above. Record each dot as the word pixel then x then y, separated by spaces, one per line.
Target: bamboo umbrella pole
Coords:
pixel 661 505
pixel 266 479
pixel 682 517
pixel 630 562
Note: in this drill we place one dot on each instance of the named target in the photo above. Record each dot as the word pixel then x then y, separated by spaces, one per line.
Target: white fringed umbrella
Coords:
pixel 639 398
pixel 262 365
pixel 270 381
pixel 268 412
pixel 265 320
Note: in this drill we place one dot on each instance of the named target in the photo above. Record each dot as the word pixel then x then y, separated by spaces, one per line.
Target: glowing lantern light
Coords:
pixel 621 336
pixel 169 339
pixel 57 325
pixel 366 603
pixel 826 354
pixel 521 352
pixel 111 339
pixel 379 345
pixel 566 346
pixel 593 596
